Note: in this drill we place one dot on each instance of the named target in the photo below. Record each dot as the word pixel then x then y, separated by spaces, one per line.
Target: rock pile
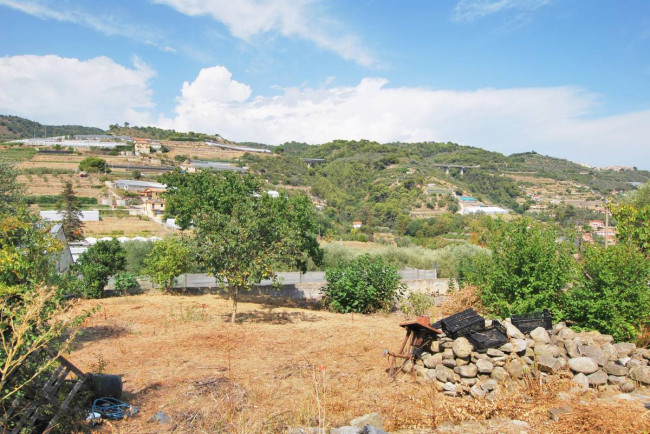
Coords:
pixel 591 358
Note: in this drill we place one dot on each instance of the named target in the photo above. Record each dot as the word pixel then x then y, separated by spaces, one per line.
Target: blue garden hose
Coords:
pixel 113 409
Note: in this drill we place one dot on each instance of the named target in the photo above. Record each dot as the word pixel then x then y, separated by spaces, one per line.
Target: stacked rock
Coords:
pixel 593 360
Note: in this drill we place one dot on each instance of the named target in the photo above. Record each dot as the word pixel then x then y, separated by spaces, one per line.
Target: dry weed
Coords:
pixel 459 300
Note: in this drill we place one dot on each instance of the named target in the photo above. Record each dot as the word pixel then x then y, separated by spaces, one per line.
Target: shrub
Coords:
pixel 97 264
pixel 417 304
pixel 612 293
pixel 93 164
pixel 366 285
pixel 527 270
pixel 126 282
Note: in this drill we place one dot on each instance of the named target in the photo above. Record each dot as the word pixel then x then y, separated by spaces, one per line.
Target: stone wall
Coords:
pixel 591 359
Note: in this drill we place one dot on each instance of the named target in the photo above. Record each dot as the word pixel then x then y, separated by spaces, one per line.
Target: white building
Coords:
pixel 56 216
pixel 488 210
pixel 133 185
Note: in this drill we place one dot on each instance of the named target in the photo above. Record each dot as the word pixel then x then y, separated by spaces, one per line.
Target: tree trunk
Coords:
pixel 234 305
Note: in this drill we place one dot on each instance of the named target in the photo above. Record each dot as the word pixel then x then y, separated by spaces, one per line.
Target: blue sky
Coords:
pixel 568 78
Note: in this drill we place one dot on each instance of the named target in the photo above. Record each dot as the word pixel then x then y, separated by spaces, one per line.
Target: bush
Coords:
pixel 366 285
pixel 126 282
pixel 417 304
pixel 527 270
pixel 93 164
pixel 612 293
pixel 97 264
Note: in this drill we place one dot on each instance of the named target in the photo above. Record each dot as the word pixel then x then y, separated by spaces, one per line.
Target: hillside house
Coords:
pixel 154 208
pixel 153 193
pixel 357 225
pixel 137 186
pixel 142 146
pixel 596 224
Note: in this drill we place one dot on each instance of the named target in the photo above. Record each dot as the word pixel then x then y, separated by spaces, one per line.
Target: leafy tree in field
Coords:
pixel 70 207
pixel 612 293
pixel 167 260
pixel 11 191
pixel 241 233
pixel 97 264
pixel 366 285
pixel 526 271
pixel 93 164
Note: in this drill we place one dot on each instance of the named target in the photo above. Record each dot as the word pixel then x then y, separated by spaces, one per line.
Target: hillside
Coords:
pixel 15 127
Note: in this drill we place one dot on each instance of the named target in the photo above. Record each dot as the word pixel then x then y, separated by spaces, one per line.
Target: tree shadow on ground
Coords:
pixel 270 317
pixel 98 333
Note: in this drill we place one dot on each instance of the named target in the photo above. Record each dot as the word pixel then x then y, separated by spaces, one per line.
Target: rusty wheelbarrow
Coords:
pixel 419 333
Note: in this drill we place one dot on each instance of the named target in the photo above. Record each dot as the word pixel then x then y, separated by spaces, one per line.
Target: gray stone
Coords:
pixel 468 381
pixel 593 353
pixel 489 385
pixel 547 349
pixel 450 387
pixel 634 363
pixel 597 378
pixel 515 368
pixel 628 386
pixel 615 369
pixel 368 419
pixel 581 379
pixel 519 345
pixel 530 343
pixel 557 328
pixel 499 374
pixel 467 371
pixel 601 339
pixel 160 417
pixel 506 348
pixel 444 374
pixel 613 379
pixel 420 371
pixel 624 349
pixel 462 347
pixel 435 346
pixel 540 335
pixel 446 344
pixel 450 363
pixel 369 429
pixel 448 353
pixel 528 360
pixel 584 365
pixel 477 392
pixel 484 366
pixel 512 331
pixel 556 413
pixel 438 385
pixel 571 347
pixel 432 361
pixel 640 374
pixel 646 354
pixel 547 363
pixel 493 352
pixel 623 361
pixel 345 430
pixel 609 352
pixel 461 361
pixel 566 334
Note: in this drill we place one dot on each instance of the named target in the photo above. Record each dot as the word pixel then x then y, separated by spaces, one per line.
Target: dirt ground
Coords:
pixel 281 367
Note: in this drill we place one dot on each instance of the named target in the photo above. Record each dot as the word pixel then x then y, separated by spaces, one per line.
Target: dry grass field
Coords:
pixel 282 367
pixel 53 185
pixel 199 150
pixel 124 227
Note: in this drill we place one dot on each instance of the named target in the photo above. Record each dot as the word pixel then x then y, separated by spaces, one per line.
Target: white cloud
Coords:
pixel 555 121
pixel 301 18
pixel 59 90
pixel 470 10
pixel 103 22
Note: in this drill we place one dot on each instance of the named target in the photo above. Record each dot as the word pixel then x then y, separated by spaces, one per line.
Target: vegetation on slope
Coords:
pixel 15 127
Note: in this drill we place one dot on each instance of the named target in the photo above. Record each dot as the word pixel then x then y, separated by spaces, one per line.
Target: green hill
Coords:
pixel 15 127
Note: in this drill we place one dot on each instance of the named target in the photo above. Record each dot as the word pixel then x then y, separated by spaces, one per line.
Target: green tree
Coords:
pixel 11 192
pixel 70 207
pixel 136 252
pixel 611 295
pixel 527 269
pixel 633 225
pixel 137 174
pixel 167 260
pixel 93 164
pixel 97 264
pixel 366 285
pixel 241 232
